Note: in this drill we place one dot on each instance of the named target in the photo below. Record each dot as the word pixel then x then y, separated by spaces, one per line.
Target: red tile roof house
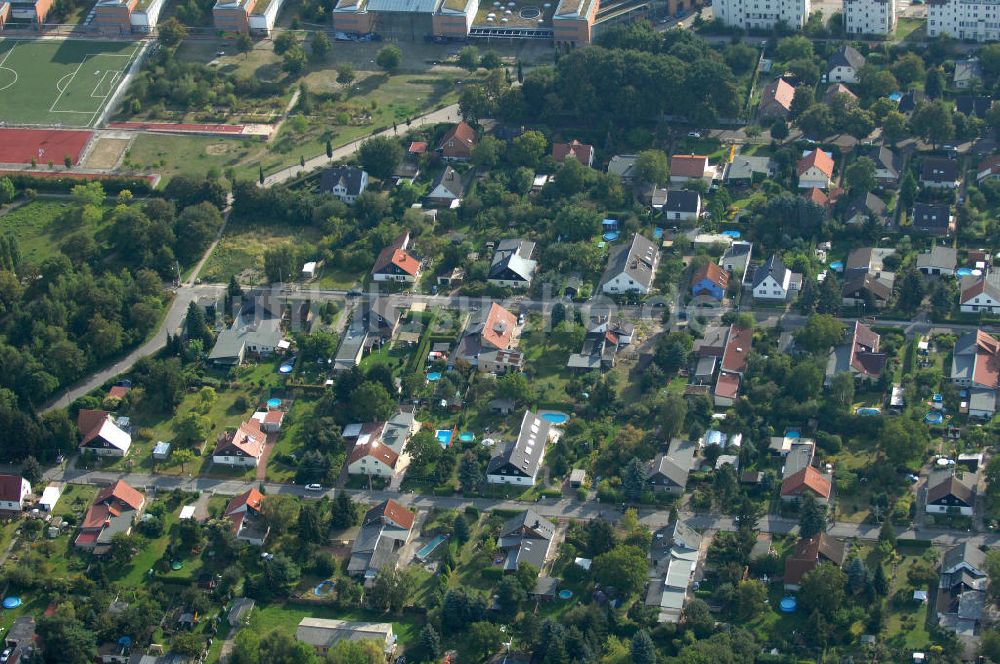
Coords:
pixel 776 99
pixel 115 510
pixel 582 152
pixel 815 169
pixel 395 263
pixel 734 363
pixel 270 421
pixel 808 555
pixel 242 447
pixel 690 167
pixel 13 490
pixel 244 512
pixel 100 435
pixel 371 457
pixel 806 480
pixel 710 280
pixel 458 143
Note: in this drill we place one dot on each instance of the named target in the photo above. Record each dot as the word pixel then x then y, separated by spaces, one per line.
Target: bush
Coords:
pixel 491 574
pixel 472 512
pixel 582 493
pixel 444 490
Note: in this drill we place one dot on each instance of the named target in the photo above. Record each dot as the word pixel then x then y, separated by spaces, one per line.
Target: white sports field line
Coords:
pixel 3 62
pixel 116 76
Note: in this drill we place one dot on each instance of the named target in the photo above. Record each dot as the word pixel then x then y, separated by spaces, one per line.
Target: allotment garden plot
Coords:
pixel 60 82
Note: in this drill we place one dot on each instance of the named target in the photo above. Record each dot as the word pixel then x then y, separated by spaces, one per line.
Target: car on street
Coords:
pixel 314 487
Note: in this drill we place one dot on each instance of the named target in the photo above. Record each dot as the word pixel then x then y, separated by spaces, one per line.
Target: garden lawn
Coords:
pixel 904 609
pixel 38 229
pixel 285 618
pixel 241 250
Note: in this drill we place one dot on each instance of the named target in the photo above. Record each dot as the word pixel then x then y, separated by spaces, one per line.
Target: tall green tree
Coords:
pixel 812 517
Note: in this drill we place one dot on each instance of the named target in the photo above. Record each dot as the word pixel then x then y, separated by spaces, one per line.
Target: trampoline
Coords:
pixel 565 594
pixel 466 436
pixel 433 376
pixel 444 436
pixel 324 588
pixel 530 12
pixel 934 417
pixel 610 236
pixel 788 604
pixel 867 411
pixel 963 272
pixel 837 266
pixel 733 234
pixel 273 403
pixel 555 418
pixel 11 602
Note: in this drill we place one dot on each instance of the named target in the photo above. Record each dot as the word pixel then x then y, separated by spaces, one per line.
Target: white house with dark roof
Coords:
pixel 13 490
pixel 512 265
pixel 949 494
pixel 736 259
pixel 669 472
pixel 844 66
pixel 774 282
pixel 631 268
pixel 963 585
pixel 519 462
pixel 682 205
pixel 344 182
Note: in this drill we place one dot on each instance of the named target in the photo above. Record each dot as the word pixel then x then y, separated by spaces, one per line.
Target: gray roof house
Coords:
pixel 518 462
pixel 939 260
pixel 681 205
pixel 512 266
pixel 844 65
pixel 384 530
pixel 255 336
pixel 962 589
pixel 743 169
pixel 888 165
pixel 526 538
pixel 344 182
pixel 967 72
pixel 622 166
pixel 866 207
pixel 632 267
pixel 669 472
pixel 323 633
pixel 772 281
pixel 736 258
pixel 447 189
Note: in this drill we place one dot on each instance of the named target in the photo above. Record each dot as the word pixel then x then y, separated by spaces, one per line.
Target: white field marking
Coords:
pixel 59 84
pixel 52 108
pixel 99 83
pixel 3 66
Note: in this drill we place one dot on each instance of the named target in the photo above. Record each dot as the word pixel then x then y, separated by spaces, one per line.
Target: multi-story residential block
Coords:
pixel 762 14
pixel 869 17
pixel 976 20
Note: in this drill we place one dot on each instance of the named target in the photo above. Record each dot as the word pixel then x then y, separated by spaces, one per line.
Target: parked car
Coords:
pixel 314 487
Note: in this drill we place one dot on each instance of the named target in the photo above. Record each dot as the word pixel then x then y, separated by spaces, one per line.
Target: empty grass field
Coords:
pixel 59 82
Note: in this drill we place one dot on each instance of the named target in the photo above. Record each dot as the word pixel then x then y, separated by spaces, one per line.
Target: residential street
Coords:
pixel 563 508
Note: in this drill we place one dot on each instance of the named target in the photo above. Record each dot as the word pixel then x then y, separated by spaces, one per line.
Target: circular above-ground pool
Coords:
pixel 466 436
pixel 176 565
pixel 934 417
pixel 788 604
pixel 610 236
pixel 324 588
pixel 867 411
pixel 273 403
pixel 733 234
pixel 11 602
pixel 285 368
pixel 530 12
pixel 555 418
pixel 433 375
pixel 963 272
pixel 565 594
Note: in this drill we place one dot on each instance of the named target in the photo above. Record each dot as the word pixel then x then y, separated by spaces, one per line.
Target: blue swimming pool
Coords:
pixel 658 233
pixel 733 234
pixel 934 417
pixel 837 266
pixel 867 411
pixel 444 436
pixel 324 588
pixel 11 602
pixel 273 403
pixel 788 604
pixel 555 418
pixel 433 376
pixel 466 436
pixel 565 594
pixel 963 272
pixel 428 549
pixel 793 434
pixel 285 368
pixel 610 236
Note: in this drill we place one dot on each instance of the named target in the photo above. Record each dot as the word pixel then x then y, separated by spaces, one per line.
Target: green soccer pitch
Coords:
pixel 60 82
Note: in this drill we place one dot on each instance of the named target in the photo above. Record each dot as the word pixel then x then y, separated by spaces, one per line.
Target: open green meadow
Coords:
pixel 59 82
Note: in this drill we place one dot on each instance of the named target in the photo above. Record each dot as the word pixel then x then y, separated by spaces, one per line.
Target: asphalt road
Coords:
pixel 562 508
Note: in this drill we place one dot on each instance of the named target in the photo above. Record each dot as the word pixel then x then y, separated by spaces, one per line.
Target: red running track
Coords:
pixel 20 146
pixel 179 127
